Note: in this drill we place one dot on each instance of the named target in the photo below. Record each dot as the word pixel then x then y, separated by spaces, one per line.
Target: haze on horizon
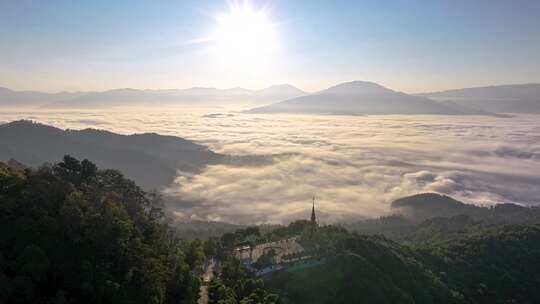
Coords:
pixel 411 47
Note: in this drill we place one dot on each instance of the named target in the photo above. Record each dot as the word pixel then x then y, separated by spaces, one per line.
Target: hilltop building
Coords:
pixel 287 250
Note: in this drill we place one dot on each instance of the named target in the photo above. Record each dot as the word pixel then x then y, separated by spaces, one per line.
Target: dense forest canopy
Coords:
pixel 488 265
pixel 73 233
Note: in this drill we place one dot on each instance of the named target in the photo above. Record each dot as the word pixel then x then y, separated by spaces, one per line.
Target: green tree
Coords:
pixel 74 234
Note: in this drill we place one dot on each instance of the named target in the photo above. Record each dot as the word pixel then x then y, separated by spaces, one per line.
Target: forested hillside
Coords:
pixel 500 265
pixel 71 233
pixel 150 159
pixel 431 217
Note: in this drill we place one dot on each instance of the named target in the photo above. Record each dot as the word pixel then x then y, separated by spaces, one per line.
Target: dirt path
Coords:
pixel 206 278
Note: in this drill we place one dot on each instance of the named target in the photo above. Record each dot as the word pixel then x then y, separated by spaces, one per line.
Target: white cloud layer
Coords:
pixel 356 165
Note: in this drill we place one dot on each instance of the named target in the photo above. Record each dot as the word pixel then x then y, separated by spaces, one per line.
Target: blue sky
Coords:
pixel 410 46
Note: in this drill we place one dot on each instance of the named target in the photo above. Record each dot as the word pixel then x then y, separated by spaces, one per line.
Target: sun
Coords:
pixel 244 36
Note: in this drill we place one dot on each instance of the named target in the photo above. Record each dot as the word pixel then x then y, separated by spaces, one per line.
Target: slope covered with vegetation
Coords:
pixel 496 265
pixel 149 159
pixel 431 218
pixel 351 268
pixel 71 233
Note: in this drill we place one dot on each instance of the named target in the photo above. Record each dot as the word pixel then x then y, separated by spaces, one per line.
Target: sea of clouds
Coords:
pixel 355 165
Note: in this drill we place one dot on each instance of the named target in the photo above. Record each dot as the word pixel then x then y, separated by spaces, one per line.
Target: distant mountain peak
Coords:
pixel 357 83
pixel 357 87
pixel 426 199
pixel 283 88
pixel 357 98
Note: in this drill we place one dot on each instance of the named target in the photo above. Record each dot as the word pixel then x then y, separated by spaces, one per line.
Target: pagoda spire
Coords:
pixel 313 216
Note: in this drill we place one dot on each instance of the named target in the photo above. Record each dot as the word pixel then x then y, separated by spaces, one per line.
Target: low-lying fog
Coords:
pixel 356 165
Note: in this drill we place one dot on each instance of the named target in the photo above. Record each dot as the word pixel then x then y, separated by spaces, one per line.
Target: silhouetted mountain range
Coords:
pixel 134 97
pixel 430 205
pixel 350 98
pixel 357 98
pixel 430 216
pixel 10 98
pixel 149 159
pixel 518 98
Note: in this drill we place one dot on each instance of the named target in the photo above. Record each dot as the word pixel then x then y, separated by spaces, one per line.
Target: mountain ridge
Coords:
pixel 132 96
pixel 507 98
pixel 150 159
pixel 478 88
pixel 358 98
pixel 354 97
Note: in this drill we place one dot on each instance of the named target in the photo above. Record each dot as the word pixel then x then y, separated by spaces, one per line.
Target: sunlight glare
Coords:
pixel 244 36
